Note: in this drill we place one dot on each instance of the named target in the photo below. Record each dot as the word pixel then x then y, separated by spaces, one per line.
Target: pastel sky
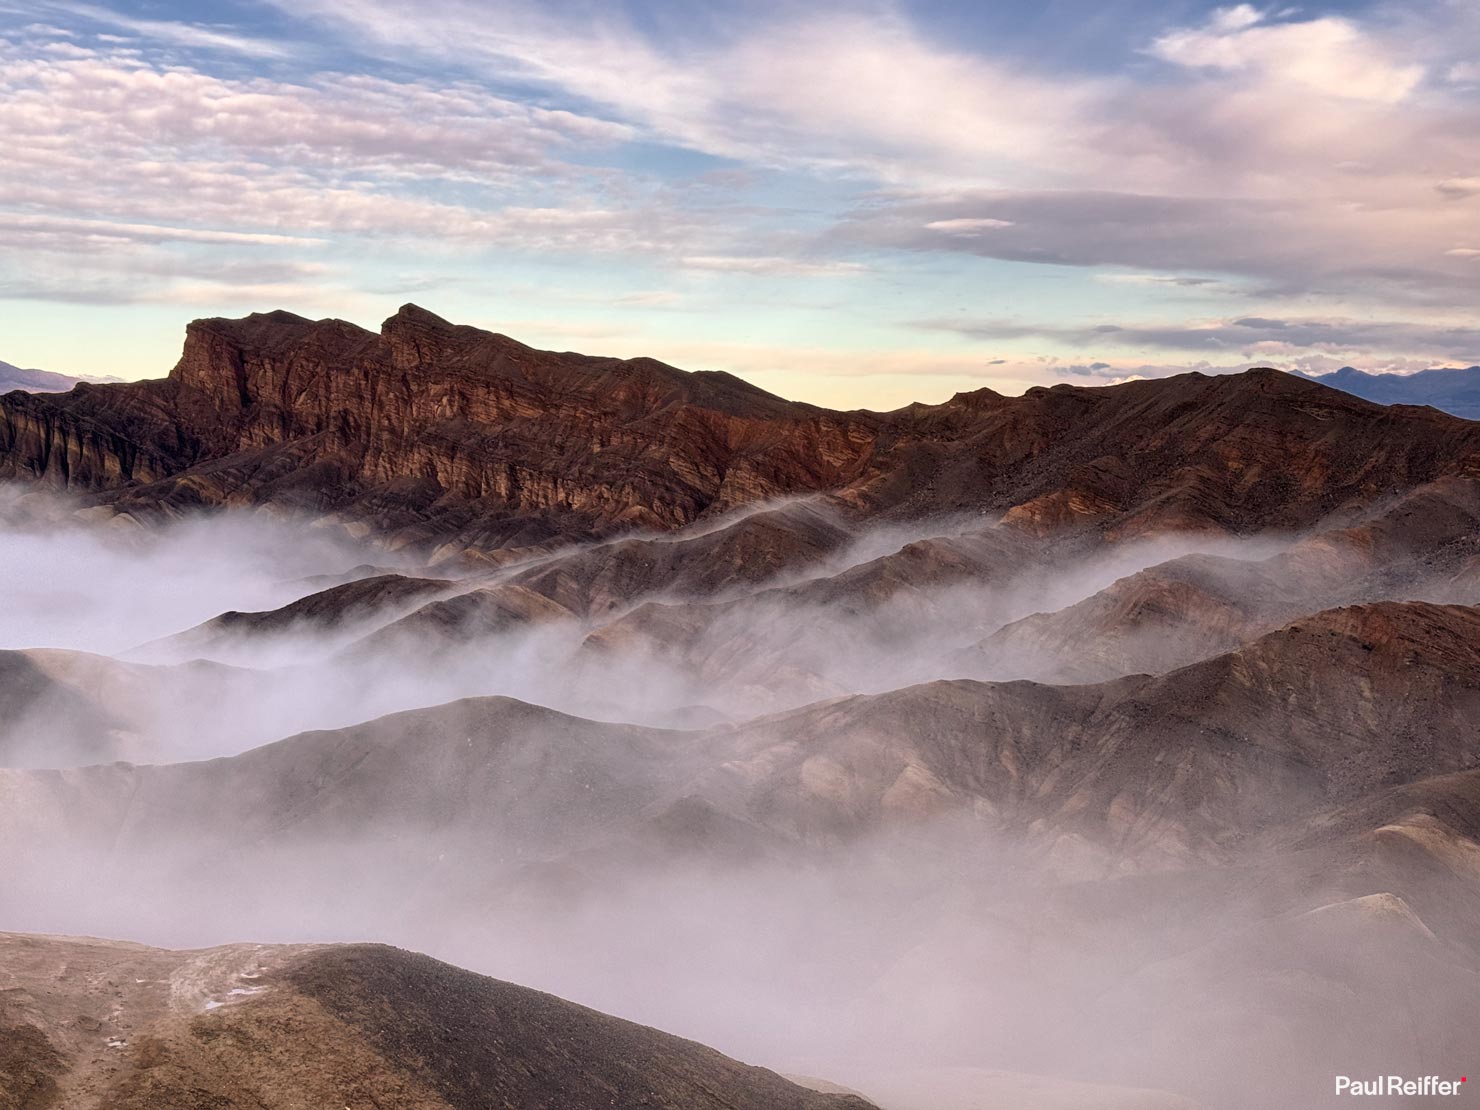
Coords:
pixel 856 204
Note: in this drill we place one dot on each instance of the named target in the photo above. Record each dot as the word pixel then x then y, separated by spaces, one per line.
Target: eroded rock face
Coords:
pixel 441 428
pixel 432 432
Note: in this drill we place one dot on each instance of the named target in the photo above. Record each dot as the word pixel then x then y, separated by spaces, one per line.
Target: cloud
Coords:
pixel 1291 150
pixel 37 229
pixel 337 124
pixel 1298 244
pixel 255 164
pixel 193 35
pixel 1459 187
pixel 748 264
pixel 970 225
pixel 1330 55
pixel 1186 281
pixel 1281 158
pixel 1249 334
pixel 830 90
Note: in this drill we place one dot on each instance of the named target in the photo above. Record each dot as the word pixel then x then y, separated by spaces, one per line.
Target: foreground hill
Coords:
pixel 91 1024
pixel 430 432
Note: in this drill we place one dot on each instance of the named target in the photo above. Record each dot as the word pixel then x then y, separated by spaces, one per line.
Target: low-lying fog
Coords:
pixel 178 691
pixel 896 953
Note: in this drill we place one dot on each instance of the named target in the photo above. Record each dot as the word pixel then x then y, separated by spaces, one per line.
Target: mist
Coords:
pixel 161 788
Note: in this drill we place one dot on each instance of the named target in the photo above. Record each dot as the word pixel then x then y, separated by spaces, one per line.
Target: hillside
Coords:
pixel 281 1027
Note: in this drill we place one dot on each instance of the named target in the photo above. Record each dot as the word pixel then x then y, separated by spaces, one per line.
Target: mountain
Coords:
pixel 1455 391
pixel 33 381
pixel 1418 545
pixel 430 433
pixel 991 854
pixel 1166 769
pixel 313 1025
pixel 1095 747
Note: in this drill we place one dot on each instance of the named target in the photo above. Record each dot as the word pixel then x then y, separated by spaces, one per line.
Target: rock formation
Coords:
pixel 1100 746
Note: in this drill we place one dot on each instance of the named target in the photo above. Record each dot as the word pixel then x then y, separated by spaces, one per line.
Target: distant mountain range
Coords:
pixel 1452 390
pixel 34 381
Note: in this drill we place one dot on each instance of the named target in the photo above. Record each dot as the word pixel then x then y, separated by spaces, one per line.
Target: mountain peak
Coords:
pixel 418 337
pixel 413 315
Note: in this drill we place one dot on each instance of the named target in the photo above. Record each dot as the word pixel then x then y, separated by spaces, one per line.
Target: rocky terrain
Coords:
pixel 91 1023
pixel 428 432
pixel 1096 747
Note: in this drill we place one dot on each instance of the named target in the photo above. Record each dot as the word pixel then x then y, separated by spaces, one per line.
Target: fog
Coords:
pixel 181 691
pixel 629 868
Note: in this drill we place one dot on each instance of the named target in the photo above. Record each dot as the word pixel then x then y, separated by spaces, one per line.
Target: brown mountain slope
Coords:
pixel 1140 772
pixel 91 1024
pixel 1417 546
pixel 1241 452
pixel 427 431
pixel 337 613
pixel 430 427
pixel 62 708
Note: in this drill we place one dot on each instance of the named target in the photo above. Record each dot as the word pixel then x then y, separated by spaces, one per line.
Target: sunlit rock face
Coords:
pixel 428 431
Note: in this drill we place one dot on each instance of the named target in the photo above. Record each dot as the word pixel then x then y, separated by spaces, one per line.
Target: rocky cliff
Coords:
pixel 429 432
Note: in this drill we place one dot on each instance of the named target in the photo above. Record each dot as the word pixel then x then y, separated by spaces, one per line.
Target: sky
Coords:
pixel 853 204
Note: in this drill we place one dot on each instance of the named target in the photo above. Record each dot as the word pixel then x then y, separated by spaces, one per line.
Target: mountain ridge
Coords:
pixel 429 433
pixel 34 381
pixel 1455 390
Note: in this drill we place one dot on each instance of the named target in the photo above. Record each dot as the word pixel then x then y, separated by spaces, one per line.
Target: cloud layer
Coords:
pixel 1298 164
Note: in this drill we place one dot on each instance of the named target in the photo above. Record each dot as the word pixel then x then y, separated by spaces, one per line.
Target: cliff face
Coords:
pixel 432 426
pixel 431 432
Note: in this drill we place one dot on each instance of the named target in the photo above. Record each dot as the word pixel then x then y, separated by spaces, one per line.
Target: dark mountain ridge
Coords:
pixel 429 432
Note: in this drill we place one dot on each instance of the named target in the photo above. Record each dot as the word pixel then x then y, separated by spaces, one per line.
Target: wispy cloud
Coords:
pixel 1331 56
pixel 1250 335
pixel 753 264
pixel 1298 244
pixel 1303 135
pixel 53 229
pixel 176 32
